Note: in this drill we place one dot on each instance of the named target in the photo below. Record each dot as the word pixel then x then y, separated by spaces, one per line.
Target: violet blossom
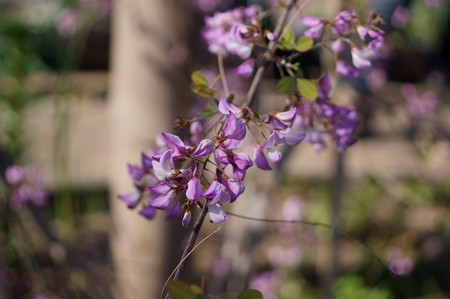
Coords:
pixel 228 32
pixel 341 27
pixel 245 69
pixel 27 184
pixel 268 283
pixel 419 105
pixel 399 263
pixel 321 117
pixel 67 21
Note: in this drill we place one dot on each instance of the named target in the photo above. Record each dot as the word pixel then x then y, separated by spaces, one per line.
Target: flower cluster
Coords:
pixel 232 32
pixel 28 186
pixel 70 20
pixel 347 32
pixel 207 170
pixel 419 105
pixel 179 174
pixel 322 117
pixel 162 179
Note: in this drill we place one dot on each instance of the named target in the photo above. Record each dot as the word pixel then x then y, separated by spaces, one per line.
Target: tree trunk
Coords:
pixel 144 84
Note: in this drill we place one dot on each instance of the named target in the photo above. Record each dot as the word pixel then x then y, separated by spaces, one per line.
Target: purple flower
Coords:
pixel 338 46
pixel 271 145
pixel 321 117
pixel 181 151
pixel 194 189
pixel 196 130
pixel 260 159
pixel 400 17
pixel 235 188
pixel 245 69
pixel 226 107
pixel 163 196
pixel 234 128
pixel 281 120
pixel 148 212
pixel 292 137
pixel 15 174
pixel 361 58
pixel 344 22
pixel 315 24
pixel 376 78
pixel 227 32
pixel 27 186
pixel 67 22
pixel 342 68
pixel 399 264
pixel 316 140
pixel 325 87
pixel 268 283
pixel 419 105
pixel 164 168
pixel 216 213
pixel 343 122
pixel 216 192
pixel 187 216
pixel 240 162
pixel 131 199
pixel 343 25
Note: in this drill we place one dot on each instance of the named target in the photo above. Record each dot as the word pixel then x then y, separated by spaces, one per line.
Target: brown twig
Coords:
pixel 267 56
pixel 190 244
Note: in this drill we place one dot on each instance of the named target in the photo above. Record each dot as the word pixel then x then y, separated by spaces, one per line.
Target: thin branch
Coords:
pixel 190 245
pixel 187 255
pixel 267 57
pixel 222 75
pixel 319 224
pixel 295 15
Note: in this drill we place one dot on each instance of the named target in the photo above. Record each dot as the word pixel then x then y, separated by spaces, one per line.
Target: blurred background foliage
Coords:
pixel 404 221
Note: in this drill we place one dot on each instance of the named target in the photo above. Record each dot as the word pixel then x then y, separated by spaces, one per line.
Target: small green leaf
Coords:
pixel 203 92
pixel 251 294
pixel 181 290
pixel 288 39
pixel 285 84
pixel 304 44
pixel 218 77
pixel 199 79
pixel 307 89
pixel 208 111
pixel 296 66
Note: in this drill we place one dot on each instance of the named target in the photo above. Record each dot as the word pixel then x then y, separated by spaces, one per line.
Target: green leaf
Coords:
pixel 199 79
pixel 288 39
pixel 285 84
pixel 251 294
pixel 304 44
pixel 181 290
pixel 296 66
pixel 203 92
pixel 307 89
pixel 208 111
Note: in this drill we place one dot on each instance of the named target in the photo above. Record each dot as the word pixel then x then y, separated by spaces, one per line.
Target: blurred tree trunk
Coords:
pixel 144 84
